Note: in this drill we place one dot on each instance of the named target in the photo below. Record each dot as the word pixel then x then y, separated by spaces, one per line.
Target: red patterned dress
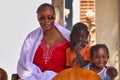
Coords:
pixel 53 58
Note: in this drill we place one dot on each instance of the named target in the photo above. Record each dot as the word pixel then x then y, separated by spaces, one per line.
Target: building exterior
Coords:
pixel 107 17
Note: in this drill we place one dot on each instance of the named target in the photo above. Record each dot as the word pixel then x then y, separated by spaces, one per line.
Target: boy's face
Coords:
pixel 100 58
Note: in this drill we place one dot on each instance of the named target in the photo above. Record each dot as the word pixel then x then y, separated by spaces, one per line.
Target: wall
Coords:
pixel 107 27
pixel 76 11
pixel 17 19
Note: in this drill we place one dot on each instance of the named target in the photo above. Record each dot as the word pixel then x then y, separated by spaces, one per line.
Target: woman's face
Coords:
pixel 100 58
pixel 46 18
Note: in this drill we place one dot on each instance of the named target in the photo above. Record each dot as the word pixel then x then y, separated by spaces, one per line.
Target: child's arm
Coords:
pixel 112 72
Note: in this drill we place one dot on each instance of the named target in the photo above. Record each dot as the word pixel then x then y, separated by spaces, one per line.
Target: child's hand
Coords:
pixel 112 72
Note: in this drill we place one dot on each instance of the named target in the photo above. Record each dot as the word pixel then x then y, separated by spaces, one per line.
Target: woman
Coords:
pixel 43 52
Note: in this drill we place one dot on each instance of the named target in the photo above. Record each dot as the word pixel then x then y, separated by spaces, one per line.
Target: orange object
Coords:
pixel 76 74
pixel 70 56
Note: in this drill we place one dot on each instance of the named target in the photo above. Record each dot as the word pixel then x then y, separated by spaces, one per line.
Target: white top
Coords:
pixel 103 75
pixel 25 67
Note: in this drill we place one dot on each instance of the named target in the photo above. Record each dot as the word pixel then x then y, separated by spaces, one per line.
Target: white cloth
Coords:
pixel 25 67
pixel 103 75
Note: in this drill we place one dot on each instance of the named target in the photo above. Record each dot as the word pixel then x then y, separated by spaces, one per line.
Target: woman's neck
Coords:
pixel 50 33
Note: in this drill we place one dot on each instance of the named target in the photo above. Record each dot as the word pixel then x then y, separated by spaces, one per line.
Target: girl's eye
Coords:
pixel 105 57
pixel 82 36
pixel 96 57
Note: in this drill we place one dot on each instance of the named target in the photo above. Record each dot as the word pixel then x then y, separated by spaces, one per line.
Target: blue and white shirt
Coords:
pixel 103 75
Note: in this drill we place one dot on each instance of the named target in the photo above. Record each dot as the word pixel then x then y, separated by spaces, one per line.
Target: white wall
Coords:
pixel 17 19
pixel 76 11
pixel 107 29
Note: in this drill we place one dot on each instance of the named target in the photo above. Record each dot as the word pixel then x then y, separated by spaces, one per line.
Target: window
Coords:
pixel 87 6
pixel 87 16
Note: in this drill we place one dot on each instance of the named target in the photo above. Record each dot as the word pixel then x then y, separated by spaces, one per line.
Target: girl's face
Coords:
pixel 83 38
pixel 100 59
pixel 46 17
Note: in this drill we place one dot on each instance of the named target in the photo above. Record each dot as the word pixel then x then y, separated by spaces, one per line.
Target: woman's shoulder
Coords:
pixel 65 32
pixel 35 32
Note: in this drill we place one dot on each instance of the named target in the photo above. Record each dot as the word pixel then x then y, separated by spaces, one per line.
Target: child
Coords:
pixel 99 55
pixel 3 74
pixel 79 39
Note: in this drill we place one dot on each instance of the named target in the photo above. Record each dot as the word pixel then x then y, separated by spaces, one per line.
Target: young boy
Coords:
pixel 99 54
